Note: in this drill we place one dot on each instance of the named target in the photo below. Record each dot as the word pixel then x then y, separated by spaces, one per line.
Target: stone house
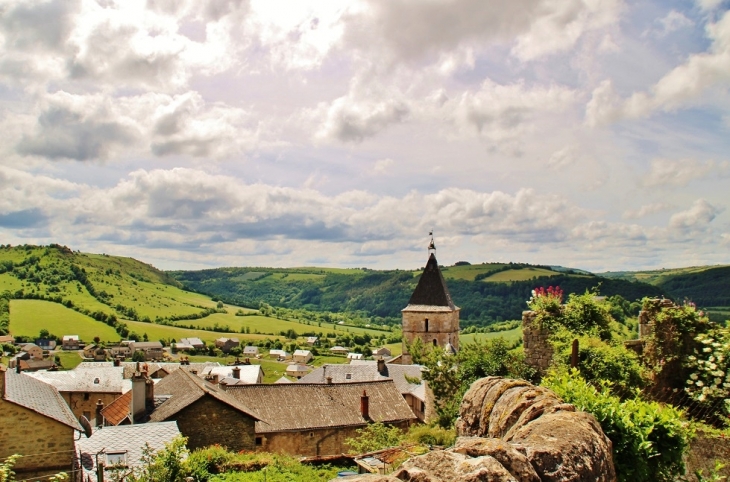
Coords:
pixel 430 315
pixel 250 351
pixel 233 374
pixel 34 351
pixel 227 344
pixel 196 343
pixel 46 344
pixel 120 350
pixel 152 349
pixel 354 356
pixel 381 352
pixel 7 339
pixel 83 387
pixel 296 370
pixel 28 364
pixel 312 340
pixel 319 418
pixel 70 342
pixel 121 447
pixel 205 413
pixel 407 378
pixel 35 422
pixel 278 354
pixel 302 356
pixel 340 350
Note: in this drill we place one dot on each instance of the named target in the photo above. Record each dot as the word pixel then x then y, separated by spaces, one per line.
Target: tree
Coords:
pixel 138 356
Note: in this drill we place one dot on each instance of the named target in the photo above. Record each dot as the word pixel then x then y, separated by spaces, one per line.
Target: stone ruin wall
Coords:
pixel 538 351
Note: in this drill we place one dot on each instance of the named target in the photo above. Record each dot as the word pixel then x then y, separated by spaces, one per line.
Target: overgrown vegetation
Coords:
pixel 648 438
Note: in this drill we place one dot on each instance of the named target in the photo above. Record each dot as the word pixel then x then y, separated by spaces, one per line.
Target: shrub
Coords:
pixel 431 435
pixel 648 438
pixel 709 378
pixel 374 436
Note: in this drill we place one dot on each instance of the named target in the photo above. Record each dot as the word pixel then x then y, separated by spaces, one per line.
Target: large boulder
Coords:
pixel 511 430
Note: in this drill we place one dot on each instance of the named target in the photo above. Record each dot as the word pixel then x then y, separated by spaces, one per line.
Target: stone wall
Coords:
pixel 84 403
pixel 208 422
pixel 329 441
pixel 47 446
pixel 439 326
pixel 538 351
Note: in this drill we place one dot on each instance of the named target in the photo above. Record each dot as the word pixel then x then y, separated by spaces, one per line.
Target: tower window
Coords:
pixel 435 343
pixel 426 324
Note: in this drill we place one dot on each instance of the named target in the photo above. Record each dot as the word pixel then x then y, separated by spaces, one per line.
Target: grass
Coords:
pixel 523 274
pixel 469 272
pixel 29 317
pixel 69 359
pixel 510 336
pixel 273 370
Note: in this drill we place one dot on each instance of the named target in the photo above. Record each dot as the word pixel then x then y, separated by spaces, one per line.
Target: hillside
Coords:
pixel 707 286
pixel 485 292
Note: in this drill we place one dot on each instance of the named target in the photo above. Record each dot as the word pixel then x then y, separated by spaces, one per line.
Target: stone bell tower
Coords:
pixel 430 315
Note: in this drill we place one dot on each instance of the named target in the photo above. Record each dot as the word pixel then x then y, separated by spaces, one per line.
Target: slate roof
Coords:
pixel 124 438
pixel 248 373
pixel 40 397
pixel 367 372
pixel 315 406
pixel 104 379
pixel 184 388
pixel 251 350
pixel 283 379
pixel 130 367
pixel 431 289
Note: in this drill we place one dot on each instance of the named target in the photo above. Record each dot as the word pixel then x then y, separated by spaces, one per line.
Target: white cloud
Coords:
pixel 562 158
pixel 708 5
pixel 382 165
pixel 645 210
pixel 671 22
pixel 696 218
pixel 666 172
pixel 677 88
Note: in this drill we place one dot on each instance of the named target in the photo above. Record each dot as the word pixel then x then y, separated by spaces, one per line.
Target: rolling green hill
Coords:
pixel 485 292
pixel 707 286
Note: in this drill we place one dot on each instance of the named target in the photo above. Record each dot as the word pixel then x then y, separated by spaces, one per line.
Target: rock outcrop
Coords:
pixel 511 430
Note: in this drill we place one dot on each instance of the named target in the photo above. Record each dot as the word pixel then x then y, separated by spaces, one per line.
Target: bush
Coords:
pixel 648 438
pixel 375 436
pixel 599 360
pixel 431 435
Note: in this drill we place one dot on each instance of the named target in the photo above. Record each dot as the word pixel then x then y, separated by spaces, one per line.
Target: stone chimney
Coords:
pixel 138 394
pixel 99 419
pixel 236 373
pixel 381 366
pixel 329 380
pixel 365 405
pixel 18 369
pixel 149 393
pixel 117 362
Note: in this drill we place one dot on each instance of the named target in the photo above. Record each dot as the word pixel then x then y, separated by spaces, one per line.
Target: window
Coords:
pixel 348 376
pixel 259 441
pixel 426 324
pixel 435 343
pixel 86 396
pixel 423 407
pixel 116 459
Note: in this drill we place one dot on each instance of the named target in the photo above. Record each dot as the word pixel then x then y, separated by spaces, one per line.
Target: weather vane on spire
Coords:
pixel 431 245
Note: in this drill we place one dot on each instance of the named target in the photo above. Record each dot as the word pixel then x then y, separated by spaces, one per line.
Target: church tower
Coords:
pixel 430 315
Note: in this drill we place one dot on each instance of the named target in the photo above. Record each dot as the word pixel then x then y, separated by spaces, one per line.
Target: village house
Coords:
pixel 312 341
pixel 339 350
pixel 354 356
pixel 251 351
pixel 233 375
pixel 278 354
pixel 9 339
pixel 302 356
pixel 120 350
pixel 34 351
pixel 296 370
pixel 407 378
pixel 196 343
pixel 121 448
pixel 70 342
pixel 35 422
pixel 28 364
pixel 381 352
pixel 83 386
pixel 226 344
pixel 46 343
pixel 307 420
pixel 152 350
pixel 205 413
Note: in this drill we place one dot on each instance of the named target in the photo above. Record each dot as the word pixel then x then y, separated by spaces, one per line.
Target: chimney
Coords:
pixel 381 366
pixel 138 395
pixel 17 365
pixel 2 381
pixel 365 405
pixel 117 363
pixel 99 418
pixel 329 380
pixel 149 394
pixel 236 373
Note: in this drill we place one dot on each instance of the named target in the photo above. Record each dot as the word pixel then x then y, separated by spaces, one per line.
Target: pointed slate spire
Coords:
pixel 431 289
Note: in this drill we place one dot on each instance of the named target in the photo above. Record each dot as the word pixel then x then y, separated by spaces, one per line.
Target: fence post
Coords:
pixel 574 355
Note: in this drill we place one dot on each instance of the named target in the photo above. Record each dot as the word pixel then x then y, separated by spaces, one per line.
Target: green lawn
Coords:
pixel 469 272
pixel 519 275
pixel 156 332
pixel 510 336
pixel 69 359
pixel 28 317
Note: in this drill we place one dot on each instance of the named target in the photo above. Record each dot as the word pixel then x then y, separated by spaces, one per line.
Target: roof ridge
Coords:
pixel 431 289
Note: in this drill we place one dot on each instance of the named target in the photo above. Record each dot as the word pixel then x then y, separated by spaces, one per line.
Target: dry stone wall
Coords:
pixel 538 351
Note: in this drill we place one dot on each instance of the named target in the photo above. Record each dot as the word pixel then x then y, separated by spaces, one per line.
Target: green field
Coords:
pixel 469 271
pixel 656 276
pixel 510 336
pixel 523 274
pixel 29 317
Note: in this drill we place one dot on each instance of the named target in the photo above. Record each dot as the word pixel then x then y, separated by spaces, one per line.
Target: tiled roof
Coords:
pixel 320 406
pixel 40 397
pixel 431 289
pixel 369 372
pixel 184 388
pixel 104 379
pixel 118 410
pixel 131 439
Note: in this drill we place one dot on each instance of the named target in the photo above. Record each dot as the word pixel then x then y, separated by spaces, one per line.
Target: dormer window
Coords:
pixel 116 459
pixel 96 381
pixel 348 376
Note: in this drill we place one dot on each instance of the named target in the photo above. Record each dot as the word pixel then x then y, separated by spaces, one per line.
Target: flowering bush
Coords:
pixel 548 299
pixel 709 378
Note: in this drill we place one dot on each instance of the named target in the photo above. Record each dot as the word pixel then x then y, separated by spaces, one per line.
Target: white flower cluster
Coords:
pixel 710 377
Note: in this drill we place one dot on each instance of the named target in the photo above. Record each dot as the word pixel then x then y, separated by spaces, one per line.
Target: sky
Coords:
pixel 593 134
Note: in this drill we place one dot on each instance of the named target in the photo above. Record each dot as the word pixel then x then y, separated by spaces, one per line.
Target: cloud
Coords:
pixel 708 5
pixel 666 172
pixel 696 218
pixel 645 210
pixel 562 158
pixel 382 165
pixel 98 127
pixel 348 119
pixel 677 88
pixel 671 22
pixel 410 31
